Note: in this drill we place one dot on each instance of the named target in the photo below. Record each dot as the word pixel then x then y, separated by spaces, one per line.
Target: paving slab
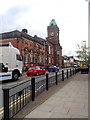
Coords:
pixel 71 101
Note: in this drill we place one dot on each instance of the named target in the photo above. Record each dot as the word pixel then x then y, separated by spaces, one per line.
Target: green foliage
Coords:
pixel 83 53
pixel 88 59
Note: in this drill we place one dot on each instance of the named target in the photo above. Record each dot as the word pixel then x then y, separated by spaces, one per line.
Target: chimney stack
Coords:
pixel 25 30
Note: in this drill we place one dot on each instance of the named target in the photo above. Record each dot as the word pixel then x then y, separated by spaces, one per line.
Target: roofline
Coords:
pixel 20 34
pixel 15 34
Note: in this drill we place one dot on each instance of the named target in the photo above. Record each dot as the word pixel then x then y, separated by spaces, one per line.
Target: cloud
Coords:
pixel 35 15
pixel 10 18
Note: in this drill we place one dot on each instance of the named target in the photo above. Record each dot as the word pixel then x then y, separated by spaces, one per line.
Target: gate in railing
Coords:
pixel 15 98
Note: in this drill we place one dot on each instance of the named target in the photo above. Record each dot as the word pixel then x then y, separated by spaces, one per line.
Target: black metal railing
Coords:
pixel 15 98
pixel 40 86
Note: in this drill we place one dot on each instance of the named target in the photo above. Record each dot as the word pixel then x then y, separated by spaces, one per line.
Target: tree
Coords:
pixel 88 59
pixel 83 53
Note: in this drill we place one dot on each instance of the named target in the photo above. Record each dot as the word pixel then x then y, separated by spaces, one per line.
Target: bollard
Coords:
pixel 56 79
pixel 33 88
pixel 47 81
pixel 6 104
pixel 62 75
pixel 67 73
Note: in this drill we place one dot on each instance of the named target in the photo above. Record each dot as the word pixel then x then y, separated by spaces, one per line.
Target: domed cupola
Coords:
pixel 53 23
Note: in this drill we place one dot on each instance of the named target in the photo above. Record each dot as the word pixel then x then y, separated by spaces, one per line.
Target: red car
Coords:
pixel 35 70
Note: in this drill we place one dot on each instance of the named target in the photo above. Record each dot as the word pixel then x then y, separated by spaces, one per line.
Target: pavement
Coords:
pixel 68 99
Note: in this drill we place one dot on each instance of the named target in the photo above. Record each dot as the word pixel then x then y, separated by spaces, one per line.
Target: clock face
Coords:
pixel 52 33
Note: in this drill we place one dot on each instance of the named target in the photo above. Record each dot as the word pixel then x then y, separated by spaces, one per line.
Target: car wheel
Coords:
pixel 15 76
pixel 37 74
pixel 28 75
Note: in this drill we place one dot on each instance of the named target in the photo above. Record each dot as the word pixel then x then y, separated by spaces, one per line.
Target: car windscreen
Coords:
pixel 52 67
pixel 32 68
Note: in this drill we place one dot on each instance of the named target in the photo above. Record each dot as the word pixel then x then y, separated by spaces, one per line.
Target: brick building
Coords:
pixel 36 50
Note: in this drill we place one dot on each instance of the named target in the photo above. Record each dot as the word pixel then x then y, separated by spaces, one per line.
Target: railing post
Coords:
pixel 33 88
pixel 47 81
pixel 56 79
pixel 73 71
pixel 78 69
pixel 6 103
pixel 67 73
pixel 62 75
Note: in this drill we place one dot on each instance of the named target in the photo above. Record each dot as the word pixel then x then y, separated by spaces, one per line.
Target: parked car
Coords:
pixel 89 65
pixel 53 68
pixel 35 70
pixel 84 69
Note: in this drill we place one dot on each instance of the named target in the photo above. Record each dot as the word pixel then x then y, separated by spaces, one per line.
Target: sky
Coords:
pixel 71 17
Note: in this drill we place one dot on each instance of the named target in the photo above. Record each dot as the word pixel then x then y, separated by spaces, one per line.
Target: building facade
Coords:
pixel 68 61
pixel 36 50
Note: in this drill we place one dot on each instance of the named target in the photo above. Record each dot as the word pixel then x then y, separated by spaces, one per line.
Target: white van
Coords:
pixel 10 62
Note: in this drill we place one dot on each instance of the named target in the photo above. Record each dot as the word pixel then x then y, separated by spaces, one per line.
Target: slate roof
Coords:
pixel 18 34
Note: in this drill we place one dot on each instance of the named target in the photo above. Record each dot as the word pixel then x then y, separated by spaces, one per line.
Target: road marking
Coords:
pixel 18 100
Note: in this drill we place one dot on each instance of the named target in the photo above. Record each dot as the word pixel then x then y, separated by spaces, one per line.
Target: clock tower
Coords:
pixel 54 48
pixel 53 32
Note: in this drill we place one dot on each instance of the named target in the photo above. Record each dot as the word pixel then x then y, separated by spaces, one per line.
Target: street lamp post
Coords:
pixel 88 24
pixel 44 53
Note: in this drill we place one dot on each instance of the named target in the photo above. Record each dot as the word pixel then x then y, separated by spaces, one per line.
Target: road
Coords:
pixel 24 77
